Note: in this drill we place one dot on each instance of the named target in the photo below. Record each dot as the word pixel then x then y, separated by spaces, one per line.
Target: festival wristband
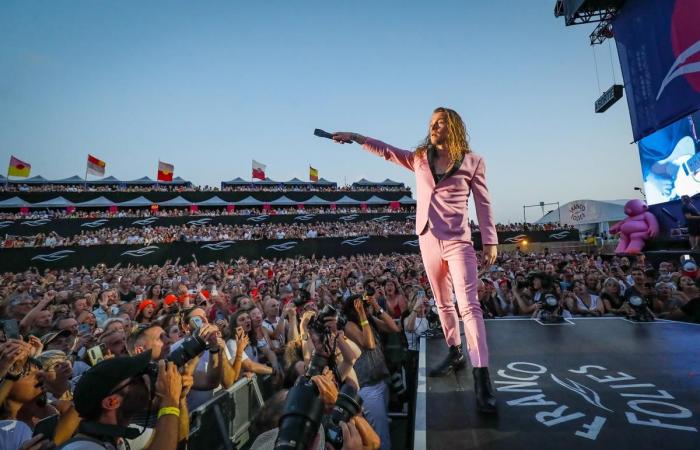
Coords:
pixel 168 410
pixel 364 323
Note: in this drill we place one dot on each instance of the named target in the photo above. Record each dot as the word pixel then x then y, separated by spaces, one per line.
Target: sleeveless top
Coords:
pixel 594 303
pixel 371 367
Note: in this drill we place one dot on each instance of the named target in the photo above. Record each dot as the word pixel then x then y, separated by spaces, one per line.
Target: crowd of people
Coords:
pixel 262 318
pixel 95 213
pixel 147 235
pixel 189 187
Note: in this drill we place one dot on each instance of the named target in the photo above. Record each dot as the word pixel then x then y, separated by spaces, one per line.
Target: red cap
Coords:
pixel 170 299
pixel 145 303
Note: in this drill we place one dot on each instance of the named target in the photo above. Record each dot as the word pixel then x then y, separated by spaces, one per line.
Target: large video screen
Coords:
pixel 671 161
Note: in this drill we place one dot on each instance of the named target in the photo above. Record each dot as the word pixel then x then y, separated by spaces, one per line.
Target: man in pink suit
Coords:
pixel 446 172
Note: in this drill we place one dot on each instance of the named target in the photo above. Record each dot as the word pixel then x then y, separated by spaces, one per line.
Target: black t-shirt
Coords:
pixel 692 309
pixel 129 296
pixel 689 210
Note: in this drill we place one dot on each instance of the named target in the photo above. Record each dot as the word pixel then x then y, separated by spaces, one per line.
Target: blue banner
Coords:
pixel 659 47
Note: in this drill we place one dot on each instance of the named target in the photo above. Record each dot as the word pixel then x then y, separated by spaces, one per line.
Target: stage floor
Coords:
pixel 589 383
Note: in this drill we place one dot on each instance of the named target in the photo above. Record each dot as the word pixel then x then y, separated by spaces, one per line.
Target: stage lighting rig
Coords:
pixel 609 98
pixel 586 11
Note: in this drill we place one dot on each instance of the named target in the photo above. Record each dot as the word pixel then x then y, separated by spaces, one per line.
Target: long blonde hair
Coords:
pixel 457 136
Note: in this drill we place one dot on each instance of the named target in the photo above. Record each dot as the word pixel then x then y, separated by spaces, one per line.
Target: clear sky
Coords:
pixel 210 85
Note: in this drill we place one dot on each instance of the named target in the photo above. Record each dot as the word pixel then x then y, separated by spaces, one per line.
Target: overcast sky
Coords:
pixel 208 86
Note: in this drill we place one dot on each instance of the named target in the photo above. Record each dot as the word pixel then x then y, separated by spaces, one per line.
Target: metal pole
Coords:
pixel 524 214
pixel 559 211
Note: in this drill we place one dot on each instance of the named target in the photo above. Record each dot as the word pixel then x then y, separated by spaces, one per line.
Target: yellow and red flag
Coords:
pixel 18 168
pixel 313 174
pixel 165 171
pixel 96 166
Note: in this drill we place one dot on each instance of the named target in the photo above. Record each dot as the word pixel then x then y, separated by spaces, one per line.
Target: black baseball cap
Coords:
pixel 100 380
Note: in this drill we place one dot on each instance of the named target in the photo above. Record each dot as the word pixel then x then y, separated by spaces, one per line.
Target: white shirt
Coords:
pixel 196 398
pixel 232 348
pixel 413 337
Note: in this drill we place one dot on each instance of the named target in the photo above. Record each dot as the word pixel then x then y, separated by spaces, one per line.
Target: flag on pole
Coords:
pixel 18 168
pixel 313 174
pixel 165 171
pixel 96 166
pixel 258 170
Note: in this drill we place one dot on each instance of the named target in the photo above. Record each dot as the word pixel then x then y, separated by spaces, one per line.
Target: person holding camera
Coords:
pixel 114 391
pixel 447 173
pixel 321 336
pixel 211 369
pixel 365 320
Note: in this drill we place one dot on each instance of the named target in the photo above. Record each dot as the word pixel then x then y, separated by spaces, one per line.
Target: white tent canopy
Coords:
pixel 587 212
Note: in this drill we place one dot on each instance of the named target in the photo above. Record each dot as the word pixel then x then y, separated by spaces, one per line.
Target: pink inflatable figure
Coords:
pixel 639 226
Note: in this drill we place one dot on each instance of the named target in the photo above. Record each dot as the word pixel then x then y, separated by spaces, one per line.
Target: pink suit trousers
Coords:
pixel 442 224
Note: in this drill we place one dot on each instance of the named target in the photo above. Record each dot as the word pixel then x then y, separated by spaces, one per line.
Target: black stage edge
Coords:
pixel 604 383
pixel 657 256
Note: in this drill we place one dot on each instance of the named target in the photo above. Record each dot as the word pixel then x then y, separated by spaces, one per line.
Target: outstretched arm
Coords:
pixel 396 155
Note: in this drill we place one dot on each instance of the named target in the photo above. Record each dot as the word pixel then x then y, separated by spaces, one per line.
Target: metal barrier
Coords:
pixel 223 421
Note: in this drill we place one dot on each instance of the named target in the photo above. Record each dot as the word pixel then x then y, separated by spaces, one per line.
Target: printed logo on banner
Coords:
pixel 258 218
pixel 51 257
pixel 685 40
pixel 141 252
pixel 413 243
pixel 644 404
pixel 6 223
pixel 282 247
pixel 577 211
pixel 516 239
pixel 144 222
pixel 200 222
pixel 36 223
pixel 305 217
pixel 559 235
pixel 348 218
pixel 659 44
pixel 381 219
pixel 95 224
pixel 356 241
pixel 219 245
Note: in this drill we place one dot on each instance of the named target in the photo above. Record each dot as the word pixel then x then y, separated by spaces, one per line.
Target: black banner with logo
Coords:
pixel 18 259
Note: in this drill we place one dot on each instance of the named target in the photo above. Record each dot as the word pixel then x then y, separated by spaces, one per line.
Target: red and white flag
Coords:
pixel 258 170
pixel 165 171
pixel 96 166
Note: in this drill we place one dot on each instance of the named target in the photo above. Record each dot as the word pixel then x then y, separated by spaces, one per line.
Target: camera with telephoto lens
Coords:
pixel 303 410
pixel 302 299
pixel 641 312
pixel 191 347
pixel 348 405
pixel 318 323
pixel 549 311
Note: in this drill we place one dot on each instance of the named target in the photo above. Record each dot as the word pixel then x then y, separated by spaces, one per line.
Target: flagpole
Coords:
pixel 86 172
pixel 7 180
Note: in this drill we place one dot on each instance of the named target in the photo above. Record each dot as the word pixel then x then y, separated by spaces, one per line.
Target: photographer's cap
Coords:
pixel 101 379
pixel 48 337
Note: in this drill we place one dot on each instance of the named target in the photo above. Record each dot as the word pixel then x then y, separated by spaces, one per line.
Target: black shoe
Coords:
pixel 485 401
pixel 454 361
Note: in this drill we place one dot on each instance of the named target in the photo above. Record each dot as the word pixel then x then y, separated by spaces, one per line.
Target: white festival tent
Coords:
pixel 587 215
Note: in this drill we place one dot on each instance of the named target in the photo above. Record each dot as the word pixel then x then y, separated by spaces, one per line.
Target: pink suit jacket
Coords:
pixel 444 206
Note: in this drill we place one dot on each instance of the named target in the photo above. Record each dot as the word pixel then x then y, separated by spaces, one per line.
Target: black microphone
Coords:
pixel 324 134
